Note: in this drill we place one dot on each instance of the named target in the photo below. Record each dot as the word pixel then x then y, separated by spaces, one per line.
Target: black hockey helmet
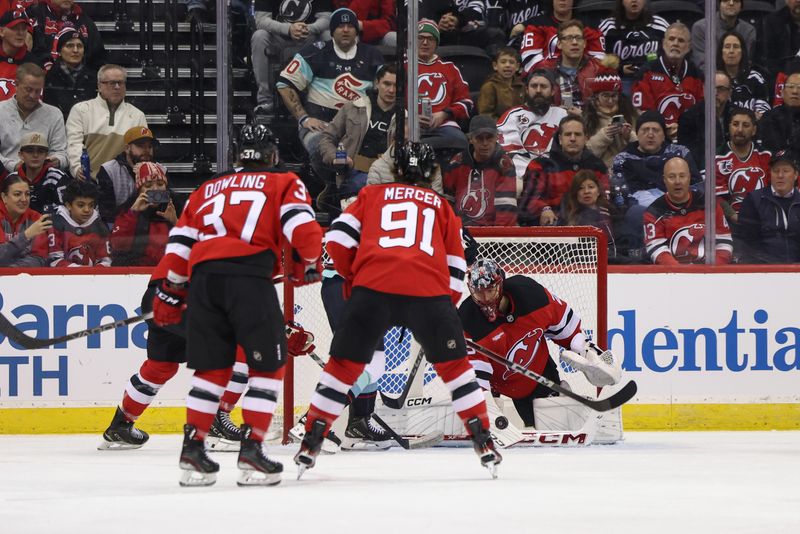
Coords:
pixel 485 282
pixel 256 143
pixel 415 162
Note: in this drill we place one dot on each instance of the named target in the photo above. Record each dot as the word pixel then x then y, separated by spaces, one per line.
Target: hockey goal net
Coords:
pixel 569 261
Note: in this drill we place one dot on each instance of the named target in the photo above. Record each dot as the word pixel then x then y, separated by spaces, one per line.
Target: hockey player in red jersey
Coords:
pixel 78 236
pixel 402 223
pixel 515 317
pixel 228 243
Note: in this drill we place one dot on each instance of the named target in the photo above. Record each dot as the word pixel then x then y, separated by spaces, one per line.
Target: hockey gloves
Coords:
pixel 169 303
pixel 299 341
pixel 303 272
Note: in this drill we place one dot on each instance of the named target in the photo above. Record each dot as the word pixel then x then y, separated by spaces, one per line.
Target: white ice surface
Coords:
pixel 654 482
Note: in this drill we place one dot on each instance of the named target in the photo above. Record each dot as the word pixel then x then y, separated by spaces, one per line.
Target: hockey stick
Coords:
pixel 396 404
pixel 28 343
pixel 617 399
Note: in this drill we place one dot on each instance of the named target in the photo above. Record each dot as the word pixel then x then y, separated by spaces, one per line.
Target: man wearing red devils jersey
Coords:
pixel 674 224
pixel 403 224
pixel 228 241
pixel 14 25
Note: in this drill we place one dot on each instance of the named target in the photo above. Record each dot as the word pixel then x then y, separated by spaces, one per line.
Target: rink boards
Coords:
pixel 709 350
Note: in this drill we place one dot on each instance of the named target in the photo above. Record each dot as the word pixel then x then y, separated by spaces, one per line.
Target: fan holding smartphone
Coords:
pixel 608 116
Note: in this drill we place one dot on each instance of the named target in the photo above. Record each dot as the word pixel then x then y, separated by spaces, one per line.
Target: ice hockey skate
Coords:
pixel 306 457
pixel 121 434
pixel 363 433
pixel 484 446
pixel 330 445
pixel 255 468
pixel 224 435
pixel 197 468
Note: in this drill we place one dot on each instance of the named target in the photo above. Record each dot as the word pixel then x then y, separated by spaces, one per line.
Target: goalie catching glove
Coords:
pixel 305 272
pixel 169 302
pixel 299 341
pixel 599 366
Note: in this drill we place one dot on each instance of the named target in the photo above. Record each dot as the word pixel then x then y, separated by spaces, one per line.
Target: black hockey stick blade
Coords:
pixel 603 405
pixel 389 430
pixel 29 343
pixel 396 404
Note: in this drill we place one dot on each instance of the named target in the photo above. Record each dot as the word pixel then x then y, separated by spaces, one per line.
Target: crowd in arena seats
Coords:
pixel 584 117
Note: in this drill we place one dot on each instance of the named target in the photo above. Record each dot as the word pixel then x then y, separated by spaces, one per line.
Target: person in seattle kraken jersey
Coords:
pixel 228 241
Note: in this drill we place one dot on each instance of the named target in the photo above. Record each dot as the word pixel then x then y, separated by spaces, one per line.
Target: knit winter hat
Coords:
pixel 147 171
pixel 429 26
pixel 66 35
pixel 607 82
pixel 650 116
pixel 343 16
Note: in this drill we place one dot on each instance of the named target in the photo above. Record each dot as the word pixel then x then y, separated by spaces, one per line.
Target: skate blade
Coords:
pixel 191 478
pixel 253 477
pixel 304 462
pixel 222 445
pixel 492 467
pixel 117 446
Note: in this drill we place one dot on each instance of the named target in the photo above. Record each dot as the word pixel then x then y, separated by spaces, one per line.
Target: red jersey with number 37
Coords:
pixel 241 214
pixel 400 239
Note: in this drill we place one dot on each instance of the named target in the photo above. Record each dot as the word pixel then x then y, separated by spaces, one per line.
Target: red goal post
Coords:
pixel 571 261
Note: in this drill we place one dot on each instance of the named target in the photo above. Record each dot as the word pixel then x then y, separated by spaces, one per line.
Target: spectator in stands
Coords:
pixel 779 128
pixel 749 89
pixel 376 20
pixel 78 237
pixel 549 177
pixel 573 68
pixel 606 136
pixel 480 181
pixel 115 178
pixel 634 35
pixel 741 166
pixel 14 27
pixel 503 89
pixel 526 132
pixel 515 14
pixel 50 17
pixel 727 21
pixel 674 225
pixel 360 127
pixel 670 84
pixel 19 246
pixel 46 180
pixel 69 81
pixel 100 124
pixel 585 204
pixel 465 23
pixel 769 220
pixel 142 227
pixel 283 26
pixel 692 124
pixel 781 37
pixel 26 113
pixel 540 41
pixel 331 73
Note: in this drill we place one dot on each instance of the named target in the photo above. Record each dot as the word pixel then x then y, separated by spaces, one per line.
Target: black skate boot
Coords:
pixel 330 445
pixel 121 434
pixel 306 457
pixel 363 433
pixel 256 468
pixel 198 468
pixel 484 446
pixel 224 435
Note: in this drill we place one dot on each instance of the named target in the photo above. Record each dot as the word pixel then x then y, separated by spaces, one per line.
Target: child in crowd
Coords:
pixel 78 237
pixel 503 89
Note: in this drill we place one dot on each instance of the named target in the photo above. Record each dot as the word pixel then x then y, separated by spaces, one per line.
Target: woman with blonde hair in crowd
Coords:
pixel 21 241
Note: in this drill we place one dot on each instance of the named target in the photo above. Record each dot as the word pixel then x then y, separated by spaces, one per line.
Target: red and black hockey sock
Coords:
pixel 144 385
pixel 258 404
pixel 237 383
pixel 468 400
pixel 330 397
pixel 202 402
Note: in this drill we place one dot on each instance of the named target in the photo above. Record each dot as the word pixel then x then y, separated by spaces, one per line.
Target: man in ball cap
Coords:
pixel 14 30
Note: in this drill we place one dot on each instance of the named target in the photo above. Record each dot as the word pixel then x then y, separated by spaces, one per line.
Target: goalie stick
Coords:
pixel 396 404
pixel 28 343
pixel 603 405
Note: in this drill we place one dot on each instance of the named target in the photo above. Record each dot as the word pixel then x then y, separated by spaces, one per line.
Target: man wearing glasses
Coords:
pixel 100 124
pixel 779 127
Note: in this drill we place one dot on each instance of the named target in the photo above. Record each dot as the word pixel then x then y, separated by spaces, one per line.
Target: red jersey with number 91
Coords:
pixel 400 239
pixel 242 214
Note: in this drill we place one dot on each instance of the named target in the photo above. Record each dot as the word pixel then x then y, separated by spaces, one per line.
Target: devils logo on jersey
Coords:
pixel 6 88
pixel 673 105
pixel 524 350
pixel 686 244
pixel 743 181
pixel 475 203
pixel 536 137
pixel 431 84
pixel 294 10
pixel 81 255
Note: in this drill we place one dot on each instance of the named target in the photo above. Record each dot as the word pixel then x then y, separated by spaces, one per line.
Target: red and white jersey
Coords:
pixel 674 233
pixel 239 214
pixel 521 130
pixel 669 92
pixel 540 42
pixel 737 177
pixel 71 244
pixel 442 82
pixel 400 239
pixel 521 334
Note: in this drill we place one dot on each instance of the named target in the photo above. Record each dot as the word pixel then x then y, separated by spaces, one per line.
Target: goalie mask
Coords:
pixel 256 143
pixel 415 163
pixel 485 283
